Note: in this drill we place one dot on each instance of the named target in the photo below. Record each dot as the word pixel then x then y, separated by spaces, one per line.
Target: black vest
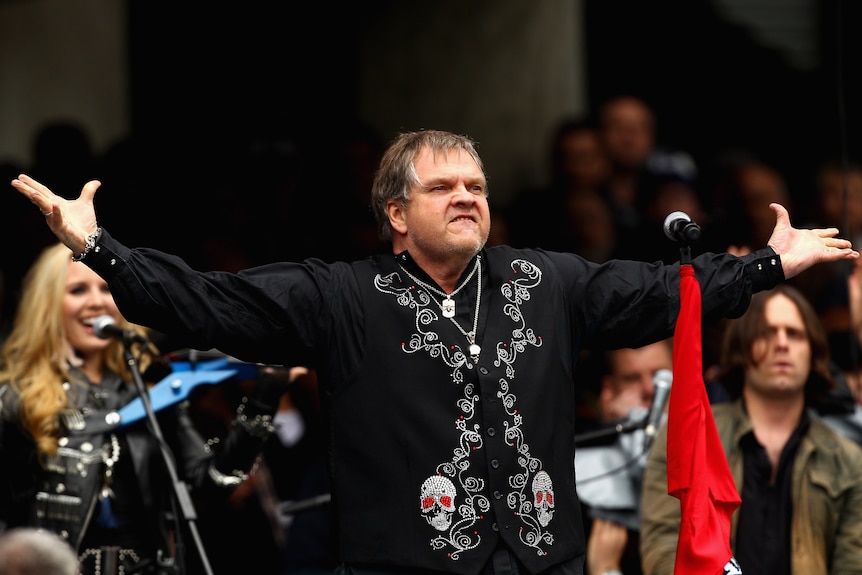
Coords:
pixel 436 457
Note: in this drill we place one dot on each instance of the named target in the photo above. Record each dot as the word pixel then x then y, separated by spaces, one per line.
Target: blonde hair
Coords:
pixel 34 358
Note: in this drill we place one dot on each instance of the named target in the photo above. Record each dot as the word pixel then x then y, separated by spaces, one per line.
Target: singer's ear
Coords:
pixel 395 211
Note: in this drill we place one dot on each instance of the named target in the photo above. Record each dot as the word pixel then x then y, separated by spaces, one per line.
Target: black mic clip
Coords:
pixel 679 227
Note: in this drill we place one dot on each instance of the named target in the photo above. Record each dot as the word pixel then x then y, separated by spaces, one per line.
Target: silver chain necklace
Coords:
pixel 447 306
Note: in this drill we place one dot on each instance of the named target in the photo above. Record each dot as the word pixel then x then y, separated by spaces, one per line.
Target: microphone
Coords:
pixel 662 381
pixel 679 227
pixel 105 327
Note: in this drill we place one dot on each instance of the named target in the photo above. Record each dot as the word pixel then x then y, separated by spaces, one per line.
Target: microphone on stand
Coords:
pixel 662 381
pixel 638 418
pixel 679 227
pixel 105 327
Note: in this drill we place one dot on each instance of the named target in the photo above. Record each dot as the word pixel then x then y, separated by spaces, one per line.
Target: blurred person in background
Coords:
pixel 66 465
pixel 799 480
pixel 609 475
pixel 629 133
pixel 31 551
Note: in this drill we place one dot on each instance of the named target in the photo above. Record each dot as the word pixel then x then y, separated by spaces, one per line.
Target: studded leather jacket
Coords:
pixel 101 462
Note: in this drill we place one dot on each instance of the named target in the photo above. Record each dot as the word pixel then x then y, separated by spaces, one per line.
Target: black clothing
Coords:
pixel 436 457
pixel 66 495
pixel 763 539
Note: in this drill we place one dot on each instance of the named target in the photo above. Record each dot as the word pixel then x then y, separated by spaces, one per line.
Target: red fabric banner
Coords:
pixel 697 470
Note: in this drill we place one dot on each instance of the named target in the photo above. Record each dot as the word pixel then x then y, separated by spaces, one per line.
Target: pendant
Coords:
pixel 475 350
pixel 448 307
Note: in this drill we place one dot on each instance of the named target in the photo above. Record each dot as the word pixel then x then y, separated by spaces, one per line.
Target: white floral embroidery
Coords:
pixel 531 501
pixel 424 339
pixel 522 500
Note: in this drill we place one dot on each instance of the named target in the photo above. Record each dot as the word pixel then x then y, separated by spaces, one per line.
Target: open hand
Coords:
pixel 70 220
pixel 802 248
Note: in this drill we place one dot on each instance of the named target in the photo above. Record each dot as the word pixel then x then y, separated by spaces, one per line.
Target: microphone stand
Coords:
pixel 611 431
pixel 181 492
pixel 291 507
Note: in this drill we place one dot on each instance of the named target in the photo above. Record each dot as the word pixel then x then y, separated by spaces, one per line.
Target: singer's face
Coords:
pixel 783 355
pixel 86 297
pixel 448 214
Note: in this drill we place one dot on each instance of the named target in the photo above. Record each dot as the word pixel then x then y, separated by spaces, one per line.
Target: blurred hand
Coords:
pixel 605 547
pixel 273 381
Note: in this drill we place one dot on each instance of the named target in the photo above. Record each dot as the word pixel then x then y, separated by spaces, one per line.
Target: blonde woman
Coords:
pixel 65 464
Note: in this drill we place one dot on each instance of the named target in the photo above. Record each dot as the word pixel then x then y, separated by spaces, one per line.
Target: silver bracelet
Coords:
pixel 90 244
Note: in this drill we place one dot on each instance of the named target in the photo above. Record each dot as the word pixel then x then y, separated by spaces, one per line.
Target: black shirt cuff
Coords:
pixel 764 269
pixel 105 257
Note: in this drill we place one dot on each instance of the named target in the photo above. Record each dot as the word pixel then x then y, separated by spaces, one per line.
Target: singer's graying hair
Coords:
pixel 397 173
pixel 35 357
pixel 31 551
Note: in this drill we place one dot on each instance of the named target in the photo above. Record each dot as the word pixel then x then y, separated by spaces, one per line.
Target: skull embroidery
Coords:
pixel 543 496
pixel 437 501
pixel 732 567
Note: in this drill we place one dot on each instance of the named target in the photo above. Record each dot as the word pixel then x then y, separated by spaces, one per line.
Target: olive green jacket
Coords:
pixel 826 492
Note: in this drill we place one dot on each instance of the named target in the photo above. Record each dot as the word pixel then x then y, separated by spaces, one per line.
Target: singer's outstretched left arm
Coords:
pixel 802 248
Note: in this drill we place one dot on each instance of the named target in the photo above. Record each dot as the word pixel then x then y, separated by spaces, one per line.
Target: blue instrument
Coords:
pixel 178 384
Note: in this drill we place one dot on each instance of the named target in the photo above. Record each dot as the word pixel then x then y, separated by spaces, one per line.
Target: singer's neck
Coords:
pixel 93 367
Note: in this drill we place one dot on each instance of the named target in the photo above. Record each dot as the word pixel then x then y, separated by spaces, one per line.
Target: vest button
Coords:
pixel 495 463
pixel 495 527
pixel 498 495
pixel 492 432
pixel 483 370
